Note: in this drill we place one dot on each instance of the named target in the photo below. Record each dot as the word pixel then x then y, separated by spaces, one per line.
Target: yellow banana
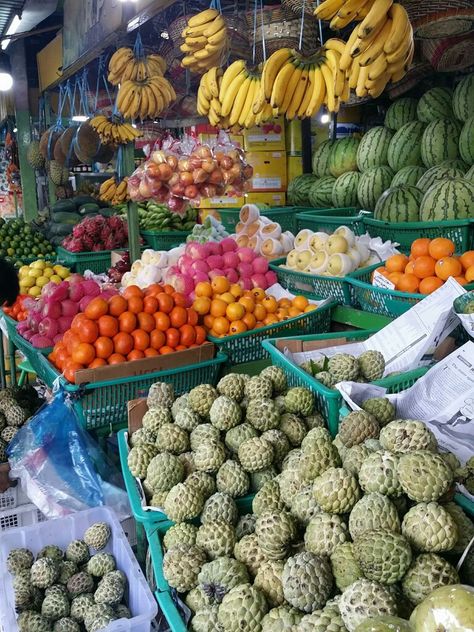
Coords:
pixel 335 44
pixel 272 67
pixel 351 8
pixel 354 74
pixel 378 67
pixel 218 37
pixel 291 88
pixel 204 86
pixel 152 103
pixel 361 45
pixel 364 10
pixel 376 47
pixel 229 75
pixel 404 62
pixel 203 104
pixel 280 90
pixel 231 92
pixel 298 94
pixel 319 92
pixel 239 101
pixel 305 101
pixel 375 17
pixel 328 9
pixel 247 106
pixel 201 54
pixel 203 17
pixel 144 102
pixel 215 26
pixel 374 84
pixel 361 90
pixel 212 81
pixel 400 25
pixel 332 101
pixel 346 57
pixel 377 90
pixel 404 46
pixel 159 61
pixel 346 93
pixel 332 60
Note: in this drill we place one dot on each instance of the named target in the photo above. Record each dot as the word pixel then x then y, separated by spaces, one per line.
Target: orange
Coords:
pixel 424 267
pixel 132 290
pixel 248 303
pixel 441 247
pixel 270 304
pixel 429 284
pixel 153 289
pixel 461 280
pixel 258 294
pixel 394 277
pixel 84 353
pixel 150 352
pixel 179 299
pixel 116 358
pixel 396 263
pixel 270 319
pixel 282 313
pixel 235 311
pixel 420 247
pixel 89 331
pixel 187 335
pixel 166 349
pixel 135 304
pixel 96 363
pixel 108 326
pixel 168 289
pixel 294 311
pixel 203 288
pixel 218 307
pixel 237 327
pixel 467 259
pixel 117 305
pixel 410 267
pixel 127 322
pixel 259 312
pixel 178 316
pixel 157 339
pixel 236 290
pixel 166 302
pixel 162 321
pixel 141 340
pixel 146 322
pixel 104 347
pixel 61 358
pixel 135 354
pixel 249 320
pixel 193 317
pixel 447 266
pixel 381 270
pixel 172 338
pixel 77 322
pixel 228 297
pixel 150 304
pixel 123 343
pixel 310 308
pixel 208 321
pixel 96 308
pixel 300 302
pixel 202 304
pixel 220 325
pixel 284 302
pixel 70 370
pixel 200 334
pixel 469 274
pixel 408 283
pixel 70 340
pixel 220 284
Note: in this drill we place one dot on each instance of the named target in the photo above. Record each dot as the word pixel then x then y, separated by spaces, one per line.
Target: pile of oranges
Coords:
pixel 134 325
pixel 17 311
pixel 226 309
pixel 431 262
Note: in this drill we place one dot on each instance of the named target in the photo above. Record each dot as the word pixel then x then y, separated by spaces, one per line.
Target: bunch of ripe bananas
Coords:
pixel 342 12
pixel 205 41
pixel 112 130
pixel 113 191
pixel 145 99
pixel 123 66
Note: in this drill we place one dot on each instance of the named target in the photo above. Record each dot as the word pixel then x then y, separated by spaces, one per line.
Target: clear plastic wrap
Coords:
pixel 446 609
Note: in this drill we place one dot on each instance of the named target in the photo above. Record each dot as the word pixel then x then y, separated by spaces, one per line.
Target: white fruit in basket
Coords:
pixel 287 240
pixel 147 256
pixel 127 279
pixel 292 259
pixel 364 252
pixel 304 257
pixel 271 230
pixel 319 262
pixel 355 255
pixel 302 239
pixel 347 233
pixel 339 265
pixel 337 244
pixel 319 241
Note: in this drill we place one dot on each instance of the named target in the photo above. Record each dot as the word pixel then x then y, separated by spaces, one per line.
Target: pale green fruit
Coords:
pixel 384 624
pixel 449 608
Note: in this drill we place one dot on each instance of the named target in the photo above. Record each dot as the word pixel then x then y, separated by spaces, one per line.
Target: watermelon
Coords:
pixel 372 184
pixel 343 156
pixel 321 159
pixel 405 147
pixel 455 164
pixel 470 175
pixel 373 148
pixel 451 198
pixel 344 193
pixel 466 141
pixel 408 175
pixel 320 193
pixel 435 105
pixel 298 189
pixel 399 204
pixel 400 113
pixel 440 142
pixel 463 99
pixel 437 173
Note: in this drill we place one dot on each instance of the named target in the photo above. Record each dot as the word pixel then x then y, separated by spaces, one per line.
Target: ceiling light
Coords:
pixel 12 29
pixel 80 118
pixel 6 79
pixel 325 118
pixel 15 129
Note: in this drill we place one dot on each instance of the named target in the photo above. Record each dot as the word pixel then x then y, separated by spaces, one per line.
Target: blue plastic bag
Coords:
pixel 61 468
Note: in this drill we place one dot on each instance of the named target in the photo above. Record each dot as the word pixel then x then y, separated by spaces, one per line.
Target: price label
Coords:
pixel 380 281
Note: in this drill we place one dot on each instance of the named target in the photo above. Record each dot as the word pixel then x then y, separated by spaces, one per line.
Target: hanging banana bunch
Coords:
pixel 113 130
pixel 205 41
pixel 145 99
pixel 342 12
pixel 113 191
pixel 124 66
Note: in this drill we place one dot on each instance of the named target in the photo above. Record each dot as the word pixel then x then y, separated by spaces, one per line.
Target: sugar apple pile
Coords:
pixel 328 548
pixel 218 442
pixel 341 367
pixel 76 590
pixel 17 405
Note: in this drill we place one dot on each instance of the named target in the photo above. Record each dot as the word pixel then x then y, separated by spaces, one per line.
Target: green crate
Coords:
pixel 170 611
pixel 32 354
pixel 246 347
pixel 101 405
pixel 327 220
pixel 460 231
pixel 296 281
pixel 283 215
pixel 79 262
pixel 329 400
pixel 164 240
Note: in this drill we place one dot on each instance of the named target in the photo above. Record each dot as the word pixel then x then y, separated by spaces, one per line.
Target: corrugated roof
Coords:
pixel 8 8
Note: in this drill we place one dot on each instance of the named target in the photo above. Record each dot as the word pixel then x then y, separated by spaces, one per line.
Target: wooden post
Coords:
pixel 133 231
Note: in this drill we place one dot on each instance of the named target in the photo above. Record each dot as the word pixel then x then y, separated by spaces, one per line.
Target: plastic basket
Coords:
pixel 152 517
pixel 170 611
pixel 327 220
pixel 246 347
pixel 460 231
pixel 12 498
pixel 104 404
pixel 62 531
pixel 97 262
pixel 329 400
pixel 319 286
pixel 22 516
pixel 283 215
pixel 164 240
pixel 32 354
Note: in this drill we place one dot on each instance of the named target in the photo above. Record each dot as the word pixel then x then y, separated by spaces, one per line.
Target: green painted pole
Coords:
pixel 47 119
pixel 27 173
pixel 133 231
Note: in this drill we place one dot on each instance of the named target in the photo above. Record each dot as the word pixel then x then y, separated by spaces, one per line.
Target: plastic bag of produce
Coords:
pixel 61 468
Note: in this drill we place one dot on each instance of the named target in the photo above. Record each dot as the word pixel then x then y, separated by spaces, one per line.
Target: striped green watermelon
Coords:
pixel 372 184
pixel 455 164
pixel 435 105
pixel 373 148
pixel 321 159
pixel 343 156
pixel 451 198
pixel 408 175
pixel 400 113
pixel 466 141
pixel 437 173
pixel 298 189
pixel 320 193
pixel 399 204
pixel 470 175
pixel 344 193
pixel 440 142
pixel 405 147
pixel 463 99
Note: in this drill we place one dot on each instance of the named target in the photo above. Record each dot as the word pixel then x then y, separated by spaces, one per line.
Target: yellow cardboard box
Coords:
pixel 268 137
pixel 222 202
pixel 294 166
pixel 271 198
pixel 237 139
pixel 269 170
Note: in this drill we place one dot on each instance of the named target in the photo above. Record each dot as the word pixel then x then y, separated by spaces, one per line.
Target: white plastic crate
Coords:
pixel 60 532
pixel 22 516
pixel 13 497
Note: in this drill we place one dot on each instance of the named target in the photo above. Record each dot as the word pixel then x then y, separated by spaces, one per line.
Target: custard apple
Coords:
pixel 52 551
pixel 278 378
pixel 268 580
pixel 263 414
pixel 384 624
pixel 44 572
pixel 324 532
pixel 55 606
pixel 321 621
pixel 249 553
pixel 196 599
pixel 220 506
pixel 242 609
pixel 202 482
pixel 258 387
pixel 343 367
pixel 183 502
pixel 236 436
pixel 336 491
pixel 356 427
pixel 19 560
pixel 160 394
pixel 371 365
pixel 316 420
pixel 204 432
pixel 317 457
pixel 100 613
pixel 275 533
pixel 164 471
pixel 225 413
pixel 267 499
pixel 345 568
pixel 300 401
pixel 429 527
pixel 182 533
pixel 100 564
pixel 66 625
pixel 232 385
pixel 294 428
pixel 232 479
pixel 464 525
pixel 354 457
pixel 141 436
pixel 97 535
pixel 307 581
pixel 258 479
pixel 427 572
pixel 303 506
pixel 255 454
pixel 327 379
pixel 291 483
pixel 245 526
pixel 80 583
pixel 205 620
pixel 216 578
pixel 172 438
pixel 66 570
pixel 216 538
pixel 381 408
pixel 156 417
pixel 371 513
pixel 178 404
pixel 209 456
pixel 383 556
pixel 280 443
pixel 187 419
pixel 139 458
pixel 379 473
pixel 81 605
pixel 30 620
pixel 407 435
pixel 201 398
pixel 363 600
pixel 424 476
pixel 281 619
pixel 187 461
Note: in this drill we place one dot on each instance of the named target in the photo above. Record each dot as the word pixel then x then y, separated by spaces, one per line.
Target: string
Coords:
pixel 254 47
pixel 302 26
pixel 264 50
pixel 320 29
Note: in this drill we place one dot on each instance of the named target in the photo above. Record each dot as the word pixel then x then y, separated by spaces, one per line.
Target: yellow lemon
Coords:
pixel 34 273
pixel 34 291
pixel 48 272
pixel 38 265
pixel 41 281
pixel 27 282
pixel 55 278
pixel 64 272
pixel 23 270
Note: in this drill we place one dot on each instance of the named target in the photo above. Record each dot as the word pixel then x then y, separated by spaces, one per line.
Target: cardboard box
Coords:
pixel 294 166
pixel 236 139
pixel 267 137
pixel 272 198
pixel 136 411
pixel 269 170
pixel 148 365
pixel 222 202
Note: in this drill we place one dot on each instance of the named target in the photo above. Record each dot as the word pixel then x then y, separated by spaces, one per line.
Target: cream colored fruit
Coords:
pixel 319 262
pixel 34 273
pixel 292 259
pixel 64 273
pixel 41 281
pixel 337 243
pixel 55 278
pixel 302 238
pixel 346 232
pixel 355 256
pixel 48 272
pixel 339 264
pixel 304 257
pixel 27 281
pixel 38 265
pixel 319 241
pixel 34 291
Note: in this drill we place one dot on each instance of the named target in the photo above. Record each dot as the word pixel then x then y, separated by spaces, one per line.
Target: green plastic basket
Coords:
pixel 329 400
pixel 101 405
pixel 246 347
pixel 170 611
pixel 164 240
pixel 327 220
pixel 315 285
pixel 460 231
pixel 283 215
pixel 32 354
pixel 97 262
